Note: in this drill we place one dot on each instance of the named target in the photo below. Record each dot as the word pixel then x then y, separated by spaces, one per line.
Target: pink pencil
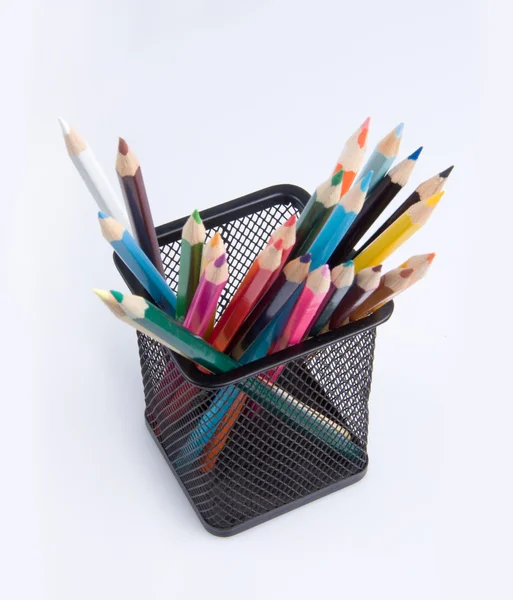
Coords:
pixel 303 314
pixel 204 301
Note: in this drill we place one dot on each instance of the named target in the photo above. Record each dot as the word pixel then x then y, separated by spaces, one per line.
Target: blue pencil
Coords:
pixel 136 260
pixel 383 156
pixel 330 236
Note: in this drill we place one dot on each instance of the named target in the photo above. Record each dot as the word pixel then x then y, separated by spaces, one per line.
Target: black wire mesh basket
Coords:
pixel 266 457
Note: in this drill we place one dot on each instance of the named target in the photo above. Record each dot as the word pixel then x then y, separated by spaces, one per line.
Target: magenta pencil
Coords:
pixel 303 314
pixel 204 301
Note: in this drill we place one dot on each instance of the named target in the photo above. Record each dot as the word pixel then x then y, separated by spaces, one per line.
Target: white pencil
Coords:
pixel 82 156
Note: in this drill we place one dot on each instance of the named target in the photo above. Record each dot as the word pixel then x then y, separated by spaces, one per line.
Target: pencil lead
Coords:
pixel 349 263
pixel 399 130
pixel 306 258
pixel 446 173
pixel 117 295
pixel 366 123
pixel 325 271
pixel 278 244
pixel 337 178
pixel 219 262
pixel 377 269
pixel 290 221
pixel 64 126
pixel 216 239
pixel 405 273
pixel 366 181
pixel 102 215
pixel 122 147
pixel 430 257
pixel 196 216
pixel 415 154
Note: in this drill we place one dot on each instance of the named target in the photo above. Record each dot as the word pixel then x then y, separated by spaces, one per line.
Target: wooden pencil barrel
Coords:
pixel 305 439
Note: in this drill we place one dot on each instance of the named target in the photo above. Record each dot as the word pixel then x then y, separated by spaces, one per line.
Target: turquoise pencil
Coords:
pixel 346 211
pixel 383 156
pixel 136 260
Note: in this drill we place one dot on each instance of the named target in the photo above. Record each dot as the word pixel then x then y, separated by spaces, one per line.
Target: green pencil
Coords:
pixel 316 212
pixel 193 238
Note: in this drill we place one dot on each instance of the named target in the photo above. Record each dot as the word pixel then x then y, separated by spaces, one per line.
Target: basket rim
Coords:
pixel 230 211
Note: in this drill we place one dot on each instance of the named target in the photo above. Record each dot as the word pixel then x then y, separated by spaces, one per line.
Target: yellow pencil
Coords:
pixel 398 232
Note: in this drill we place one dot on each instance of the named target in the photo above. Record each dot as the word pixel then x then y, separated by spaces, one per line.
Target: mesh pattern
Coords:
pixel 269 458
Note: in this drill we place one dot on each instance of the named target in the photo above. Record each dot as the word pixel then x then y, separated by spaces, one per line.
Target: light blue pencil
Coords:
pixel 330 236
pixel 382 157
pixel 136 260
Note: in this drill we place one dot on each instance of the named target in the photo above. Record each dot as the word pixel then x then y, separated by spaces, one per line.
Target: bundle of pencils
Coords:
pixel 278 302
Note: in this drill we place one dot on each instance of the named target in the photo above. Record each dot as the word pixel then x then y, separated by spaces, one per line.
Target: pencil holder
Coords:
pixel 281 444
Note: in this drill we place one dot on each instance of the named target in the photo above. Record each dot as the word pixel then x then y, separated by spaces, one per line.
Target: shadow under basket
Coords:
pixel 265 458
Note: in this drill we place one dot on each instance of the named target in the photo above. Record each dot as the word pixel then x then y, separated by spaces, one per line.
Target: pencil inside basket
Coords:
pixel 279 444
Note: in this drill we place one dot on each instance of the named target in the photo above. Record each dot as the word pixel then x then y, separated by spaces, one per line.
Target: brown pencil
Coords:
pixel 136 200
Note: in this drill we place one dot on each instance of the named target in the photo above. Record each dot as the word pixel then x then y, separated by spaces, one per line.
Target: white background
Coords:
pixel 219 99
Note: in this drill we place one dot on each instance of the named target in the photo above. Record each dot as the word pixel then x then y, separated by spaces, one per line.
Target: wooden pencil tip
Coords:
pixel 399 130
pixel 65 128
pixel 325 271
pixel 431 257
pixel 377 269
pixel 216 239
pixel 102 294
pixel 290 221
pixel 306 258
pixel 405 273
pixel 278 244
pixel 196 216
pixel 415 154
pixel 122 147
pixel 366 123
pixel 446 173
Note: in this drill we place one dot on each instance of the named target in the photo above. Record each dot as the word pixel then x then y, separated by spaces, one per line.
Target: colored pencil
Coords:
pixel 390 285
pixel 398 232
pixel 247 295
pixel 204 302
pixel 141 314
pixel 375 203
pixel 88 167
pixel 302 316
pixel 341 280
pixel 383 156
pixel 351 158
pixel 136 200
pixel 136 260
pixel 212 249
pixel 193 238
pixel 325 243
pixel 172 334
pixel 421 264
pixel 287 282
pixel 287 233
pixel 363 285
pixel 317 209
pixel 425 190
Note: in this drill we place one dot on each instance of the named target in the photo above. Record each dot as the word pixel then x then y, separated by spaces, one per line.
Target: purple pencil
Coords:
pixel 204 302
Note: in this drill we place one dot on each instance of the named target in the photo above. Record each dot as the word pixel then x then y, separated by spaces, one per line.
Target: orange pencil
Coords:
pixel 247 295
pixel 351 158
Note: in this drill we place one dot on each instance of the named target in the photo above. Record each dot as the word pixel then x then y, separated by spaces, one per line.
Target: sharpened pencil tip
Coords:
pixel 102 215
pixel 405 273
pixel 415 154
pixel 446 173
pixel 377 269
pixel 117 295
pixel 349 263
pixel 196 216
pixel 122 147
pixel 290 221
pixel 337 178
pixel 306 258
pixel 278 244
pixel 216 239
pixel 399 130
pixel 366 123
pixel 431 257
pixel 64 126
pixel 219 262
pixel 366 181
pixel 325 271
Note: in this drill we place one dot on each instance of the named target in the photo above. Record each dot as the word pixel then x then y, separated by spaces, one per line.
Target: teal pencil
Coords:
pixel 136 260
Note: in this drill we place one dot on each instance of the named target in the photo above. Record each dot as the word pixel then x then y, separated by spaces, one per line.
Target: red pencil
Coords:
pixel 247 295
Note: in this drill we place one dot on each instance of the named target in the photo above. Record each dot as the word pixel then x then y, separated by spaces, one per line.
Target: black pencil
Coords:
pixel 425 190
pixel 375 203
